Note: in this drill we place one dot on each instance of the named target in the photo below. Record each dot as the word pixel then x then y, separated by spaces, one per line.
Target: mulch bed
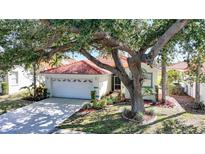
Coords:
pixel 83 112
pixel 167 104
pixel 87 110
pixel 147 119
pixel 187 102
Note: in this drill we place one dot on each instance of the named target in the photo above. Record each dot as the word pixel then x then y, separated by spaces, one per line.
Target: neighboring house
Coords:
pixel 189 86
pixel 180 66
pixel 20 77
pixel 78 79
pixel 17 78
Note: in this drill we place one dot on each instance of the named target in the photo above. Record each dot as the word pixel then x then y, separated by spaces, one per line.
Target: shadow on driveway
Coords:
pixel 39 118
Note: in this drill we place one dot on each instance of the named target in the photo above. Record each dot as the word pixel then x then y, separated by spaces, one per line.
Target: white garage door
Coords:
pixel 72 88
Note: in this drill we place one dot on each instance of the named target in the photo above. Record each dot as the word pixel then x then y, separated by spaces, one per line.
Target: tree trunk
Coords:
pixel 137 103
pixel 197 86
pixel 135 89
pixel 164 78
pixel 197 92
pixel 34 79
pixel 164 81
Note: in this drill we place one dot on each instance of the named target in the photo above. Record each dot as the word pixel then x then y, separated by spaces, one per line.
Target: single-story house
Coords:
pixel 189 86
pixel 17 78
pixel 78 79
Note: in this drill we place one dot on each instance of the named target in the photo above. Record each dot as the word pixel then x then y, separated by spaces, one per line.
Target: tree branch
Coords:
pixel 108 41
pixel 173 30
pixel 118 64
pixel 98 37
pixel 97 62
pixel 56 49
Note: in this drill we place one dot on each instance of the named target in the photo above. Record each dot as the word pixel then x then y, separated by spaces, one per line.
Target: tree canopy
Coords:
pixel 31 40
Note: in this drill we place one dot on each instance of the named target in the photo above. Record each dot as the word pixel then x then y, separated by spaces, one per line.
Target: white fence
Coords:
pixel 190 90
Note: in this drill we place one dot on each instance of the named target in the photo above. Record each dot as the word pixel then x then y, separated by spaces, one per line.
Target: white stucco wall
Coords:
pixel 24 79
pixel 101 83
pixel 105 85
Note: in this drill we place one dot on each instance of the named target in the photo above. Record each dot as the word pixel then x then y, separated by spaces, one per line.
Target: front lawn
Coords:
pixel 109 121
pixel 9 103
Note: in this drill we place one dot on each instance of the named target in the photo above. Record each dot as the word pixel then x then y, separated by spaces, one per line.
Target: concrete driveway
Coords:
pixel 39 118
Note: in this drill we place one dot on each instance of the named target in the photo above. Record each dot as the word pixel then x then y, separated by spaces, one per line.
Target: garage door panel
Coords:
pixel 72 88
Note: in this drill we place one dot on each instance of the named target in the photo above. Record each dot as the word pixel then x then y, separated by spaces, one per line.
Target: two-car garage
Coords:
pixel 77 86
pixel 72 87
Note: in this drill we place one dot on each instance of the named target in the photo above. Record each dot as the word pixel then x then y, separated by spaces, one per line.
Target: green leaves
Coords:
pixel 193 43
pixel 135 33
pixel 26 41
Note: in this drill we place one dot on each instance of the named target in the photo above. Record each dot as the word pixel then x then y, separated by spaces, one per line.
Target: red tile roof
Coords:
pixel 180 66
pixel 86 66
pixel 78 67
pixel 183 67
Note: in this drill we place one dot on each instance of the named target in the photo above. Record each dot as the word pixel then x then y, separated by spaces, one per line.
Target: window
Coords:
pixel 14 78
pixel 117 83
pixel 147 82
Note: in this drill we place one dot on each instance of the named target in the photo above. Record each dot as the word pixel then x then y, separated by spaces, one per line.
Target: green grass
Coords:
pixel 109 121
pixel 8 103
pixel 102 122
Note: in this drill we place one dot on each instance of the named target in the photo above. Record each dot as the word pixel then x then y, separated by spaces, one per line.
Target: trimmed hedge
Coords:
pixel 5 88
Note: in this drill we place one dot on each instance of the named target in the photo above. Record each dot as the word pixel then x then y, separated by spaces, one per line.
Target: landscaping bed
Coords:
pixel 109 121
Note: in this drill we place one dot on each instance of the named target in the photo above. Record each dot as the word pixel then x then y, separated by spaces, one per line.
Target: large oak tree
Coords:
pixel 140 39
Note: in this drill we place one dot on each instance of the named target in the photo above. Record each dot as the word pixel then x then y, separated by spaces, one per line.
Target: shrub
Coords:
pixel 175 89
pixel 40 92
pixel 116 99
pixel 100 104
pixel 148 91
pixel 87 106
pixel 109 101
pixel 103 102
pixel 45 93
pixel 29 90
pixel 173 76
pixel 199 106
pixel 93 96
pixel 5 88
